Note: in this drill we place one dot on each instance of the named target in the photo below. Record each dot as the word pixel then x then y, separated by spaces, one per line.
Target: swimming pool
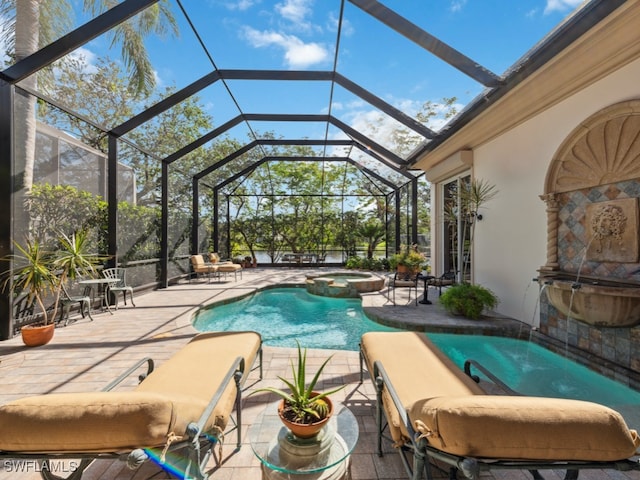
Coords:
pixel 531 369
pixel 284 315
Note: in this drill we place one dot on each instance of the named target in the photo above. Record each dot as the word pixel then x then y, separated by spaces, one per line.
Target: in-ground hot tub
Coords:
pixel 343 284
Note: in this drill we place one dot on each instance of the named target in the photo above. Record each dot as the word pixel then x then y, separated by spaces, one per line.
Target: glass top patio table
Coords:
pixel 278 449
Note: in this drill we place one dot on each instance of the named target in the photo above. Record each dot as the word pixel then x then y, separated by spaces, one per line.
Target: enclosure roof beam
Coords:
pixel 263 160
pixel 377 102
pixel 293 75
pixel 429 42
pixel 364 169
pixel 74 39
pixel 306 141
pixel 369 145
pixel 546 50
pixel 85 119
pixel 202 140
pixel 227 159
pixel 387 155
pixel 166 104
pixel 271 141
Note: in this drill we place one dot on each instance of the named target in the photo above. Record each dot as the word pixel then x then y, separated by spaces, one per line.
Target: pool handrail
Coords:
pixel 467 369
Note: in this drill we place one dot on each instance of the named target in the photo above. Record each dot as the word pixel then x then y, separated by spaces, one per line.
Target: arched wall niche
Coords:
pixel 603 149
pixel 591 279
pixel 597 166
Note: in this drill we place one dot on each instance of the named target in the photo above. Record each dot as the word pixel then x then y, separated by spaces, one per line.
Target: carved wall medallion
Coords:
pixel 612 231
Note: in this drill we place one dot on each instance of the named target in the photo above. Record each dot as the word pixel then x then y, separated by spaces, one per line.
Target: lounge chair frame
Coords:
pixel 419 466
pixel 198 446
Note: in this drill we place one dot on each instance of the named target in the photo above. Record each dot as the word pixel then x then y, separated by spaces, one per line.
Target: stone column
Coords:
pixel 552 232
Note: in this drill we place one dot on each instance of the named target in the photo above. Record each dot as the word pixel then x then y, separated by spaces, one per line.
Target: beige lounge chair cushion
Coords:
pixel 228 267
pixel 199 368
pixel 171 397
pixel 417 369
pixel 215 258
pixel 524 428
pixel 200 266
pixel 92 422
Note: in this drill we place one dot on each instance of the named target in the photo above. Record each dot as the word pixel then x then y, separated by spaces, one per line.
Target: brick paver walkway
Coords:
pixel 85 356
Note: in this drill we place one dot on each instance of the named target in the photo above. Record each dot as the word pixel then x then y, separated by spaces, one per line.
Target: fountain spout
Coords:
pixel 598 302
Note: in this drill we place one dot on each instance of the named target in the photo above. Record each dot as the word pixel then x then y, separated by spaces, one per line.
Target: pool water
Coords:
pixel 531 369
pixel 284 315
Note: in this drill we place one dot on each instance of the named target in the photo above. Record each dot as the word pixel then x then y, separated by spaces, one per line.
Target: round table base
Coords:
pixel 298 453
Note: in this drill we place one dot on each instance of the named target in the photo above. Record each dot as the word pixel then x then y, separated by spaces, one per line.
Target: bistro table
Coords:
pixel 101 284
pixel 424 276
pixel 285 456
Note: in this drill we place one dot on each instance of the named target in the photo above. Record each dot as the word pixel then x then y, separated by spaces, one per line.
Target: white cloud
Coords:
pixel 457 5
pixel 560 5
pixel 87 56
pixel 297 54
pixel 333 22
pixel 240 5
pixel 295 11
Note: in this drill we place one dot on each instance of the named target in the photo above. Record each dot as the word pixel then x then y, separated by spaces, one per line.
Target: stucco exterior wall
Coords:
pixel 510 241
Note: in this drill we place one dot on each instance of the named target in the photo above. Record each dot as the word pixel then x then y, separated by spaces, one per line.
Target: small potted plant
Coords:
pixel 408 260
pixel 303 410
pixel 468 300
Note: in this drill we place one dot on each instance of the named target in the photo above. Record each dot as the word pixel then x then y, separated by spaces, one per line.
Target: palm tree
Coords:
pixel 373 232
pixel 31 24
pixel 473 195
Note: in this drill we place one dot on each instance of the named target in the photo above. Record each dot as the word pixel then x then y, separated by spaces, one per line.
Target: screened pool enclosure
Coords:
pixel 163 132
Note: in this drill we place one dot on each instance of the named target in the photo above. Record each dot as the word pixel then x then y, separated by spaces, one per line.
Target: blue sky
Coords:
pixel 302 35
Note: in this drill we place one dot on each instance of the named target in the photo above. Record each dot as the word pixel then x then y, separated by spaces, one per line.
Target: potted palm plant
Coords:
pixel 33 277
pixel 302 409
pixel 39 273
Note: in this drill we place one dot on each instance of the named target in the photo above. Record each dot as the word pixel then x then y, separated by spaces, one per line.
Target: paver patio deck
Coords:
pixel 85 356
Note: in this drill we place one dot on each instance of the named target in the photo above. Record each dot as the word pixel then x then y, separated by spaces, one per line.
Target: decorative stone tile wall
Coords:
pixel 616 351
pixel 572 236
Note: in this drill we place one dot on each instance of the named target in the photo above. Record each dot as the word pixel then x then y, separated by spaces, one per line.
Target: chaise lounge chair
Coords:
pixel 184 405
pixel 441 414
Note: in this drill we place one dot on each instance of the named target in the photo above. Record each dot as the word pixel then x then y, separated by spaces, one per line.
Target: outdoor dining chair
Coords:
pixel 445 280
pixel 404 280
pixel 67 300
pixel 119 276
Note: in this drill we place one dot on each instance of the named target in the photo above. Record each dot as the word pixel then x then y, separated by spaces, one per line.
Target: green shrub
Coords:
pixel 468 300
pixel 353 263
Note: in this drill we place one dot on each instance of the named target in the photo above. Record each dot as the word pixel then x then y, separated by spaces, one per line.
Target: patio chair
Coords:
pixel 444 280
pixel 67 300
pixel 200 267
pixel 215 259
pixel 404 280
pixel 119 275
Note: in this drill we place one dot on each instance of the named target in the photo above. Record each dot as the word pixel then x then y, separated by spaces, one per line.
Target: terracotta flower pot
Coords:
pixel 36 335
pixel 305 430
